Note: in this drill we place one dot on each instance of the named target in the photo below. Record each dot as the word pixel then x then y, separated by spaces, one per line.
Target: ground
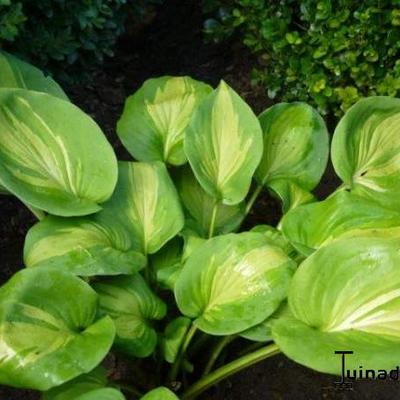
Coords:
pixel 173 44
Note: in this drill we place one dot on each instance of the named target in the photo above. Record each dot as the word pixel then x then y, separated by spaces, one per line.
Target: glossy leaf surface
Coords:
pixel 173 337
pixel 149 204
pixel 233 282
pixel 290 194
pixel 160 393
pixel 50 332
pixel 132 306
pixel 15 73
pixel 366 150
pixel 167 263
pixel 191 242
pixel 346 296
pixel 152 126
pixel 224 145
pixel 143 213
pixel 91 386
pixel 314 225
pixel 263 332
pixel 296 145
pixel 43 154
pixel 199 205
pixel 82 246
pixel 275 237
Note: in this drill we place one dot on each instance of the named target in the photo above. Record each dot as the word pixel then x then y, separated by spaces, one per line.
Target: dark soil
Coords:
pixel 173 44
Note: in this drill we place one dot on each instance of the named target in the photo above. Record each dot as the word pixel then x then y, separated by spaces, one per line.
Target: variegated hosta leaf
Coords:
pixel 290 194
pixel 346 296
pixel 387 233
pixel 233 282
pixel 94 245
pixel 153 123
pixel 275 237
pixel 224 145
pixel 132 306
pixel 143 213
pixel 263 332
pixel 50 332
pixel 366 150
pixel 166 264
pixel 15 73
pixel 296 145
pixel 173 337
pixel 160 393
pixel 97 394
pixel 199 205
pixel 44 156
pixel 314 225
pixel 148 202
pixel 91 386
pixel 191 242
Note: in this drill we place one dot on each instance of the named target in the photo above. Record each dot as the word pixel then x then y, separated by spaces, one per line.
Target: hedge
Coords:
pixel 65 37
pixel 329 53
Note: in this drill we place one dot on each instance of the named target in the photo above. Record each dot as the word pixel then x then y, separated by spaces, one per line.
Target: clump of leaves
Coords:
pixel 147 257
pixel 329 53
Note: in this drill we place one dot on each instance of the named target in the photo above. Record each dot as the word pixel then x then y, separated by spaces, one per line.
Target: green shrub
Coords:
pixel 11 18
pixel 65 37
pixel 329 53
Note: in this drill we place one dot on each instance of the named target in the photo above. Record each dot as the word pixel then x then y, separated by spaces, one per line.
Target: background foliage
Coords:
pixel 64 37
pixel 326 52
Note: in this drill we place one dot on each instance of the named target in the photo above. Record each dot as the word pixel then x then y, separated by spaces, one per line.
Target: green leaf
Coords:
pixel 290 194
pixel 263 332
pixel 150 204
pixel 132 306
pixel 154 120
pixel 233 282
pixel 346 296
pixel 173 337
pixel 102 394
pixel 166 263
pixel 3 190
pixel 91 386
pixel 275 237
pixel 224 145
pixel 366 150
pixel 314 225
pixel 143 213
pixel 296 145
pixel 160 393
pixel 199 205
pixel 83 246
pixel 44 157
pixel 191 242
pixel 49 330
pixel 15 73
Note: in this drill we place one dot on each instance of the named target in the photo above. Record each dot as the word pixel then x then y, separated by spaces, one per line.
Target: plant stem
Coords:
pixel 229 369
pixel 253 199
pixel 250 348
pixel 39 214
pixel 182 351
pixel 222 343
pixel 213 220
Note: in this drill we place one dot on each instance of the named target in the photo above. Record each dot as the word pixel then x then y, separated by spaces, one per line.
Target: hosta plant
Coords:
pixel 147 257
